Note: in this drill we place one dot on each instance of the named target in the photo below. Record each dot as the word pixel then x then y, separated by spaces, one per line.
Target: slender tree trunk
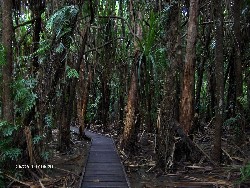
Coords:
pixel 165 144
pixel 129 136
pixel 200 73
pixel 248 96
pixel 122 75
pixel 63 136
pixel 219 69
pixel 201 69
pixel 186 107
pixel 37 8
pixel 122 90
pixel 1 23
pixel 231 93
pixel 211 88
pixel 131 119
pixel 7 35
pixel 83 97
pixel 105 99
pixel 121 14
pixel 238 69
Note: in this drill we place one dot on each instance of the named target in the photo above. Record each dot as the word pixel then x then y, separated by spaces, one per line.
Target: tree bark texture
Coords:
pixel 201 68
pixel 130 120
pixel 83 86
pixel 7 70
pixel 186 107
pixel 219 69
pixel 238 70
pixel 167 114
pixel 165 145
pixel 37 8
pixel 132 116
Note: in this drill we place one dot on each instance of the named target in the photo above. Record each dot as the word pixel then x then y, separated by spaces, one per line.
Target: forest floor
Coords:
pixel 141 169
pixel 67 166
pixel 142 172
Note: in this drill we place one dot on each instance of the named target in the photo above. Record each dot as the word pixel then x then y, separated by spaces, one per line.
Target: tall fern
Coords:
pixel 62 22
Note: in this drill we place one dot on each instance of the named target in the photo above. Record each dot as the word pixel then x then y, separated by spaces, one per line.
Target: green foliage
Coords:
pixel 60 23
pixel 7 129
pixel 151 29
pixel 60 48
pixel 48 120
pixel 2 55
pixel 12 153
pixel 24 96
pixel 59 29
pixel 45 155
pixel 232 120
pixel 37 139
pixel 7 151
pixel 44 47
pixel 1 179
pixel 243 101
pixel 71 73
pixel 92 109
pixel 245 173
pixel 234 124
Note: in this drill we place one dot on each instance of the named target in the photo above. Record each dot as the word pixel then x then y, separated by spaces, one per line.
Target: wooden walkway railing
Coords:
pixel 103 167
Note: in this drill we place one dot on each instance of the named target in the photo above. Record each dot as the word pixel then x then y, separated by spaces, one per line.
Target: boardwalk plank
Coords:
pixel 104 165
pixel 103 160
pixel 103 172
pixel 108 168
pixel 104 184
pixel 104 178
pixel 103 168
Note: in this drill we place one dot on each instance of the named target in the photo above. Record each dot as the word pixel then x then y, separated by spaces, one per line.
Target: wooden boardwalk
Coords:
pixel 103 168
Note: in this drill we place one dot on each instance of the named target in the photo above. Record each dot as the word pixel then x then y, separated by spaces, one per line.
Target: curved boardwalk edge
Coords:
pixel 103 167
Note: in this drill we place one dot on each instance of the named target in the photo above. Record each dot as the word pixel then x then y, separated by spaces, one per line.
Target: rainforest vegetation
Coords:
pixel 177 71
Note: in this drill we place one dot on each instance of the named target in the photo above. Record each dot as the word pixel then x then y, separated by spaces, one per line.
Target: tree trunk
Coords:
pixel 105 99
pixel 248 97
pixel 211 88
pixel 63 135
pixel 238 70
pixel 165 142
pixel 186 107
pixel 37 8
pixel 82 93
pixel 219 69
pixel 7 70
pixel 231 93
pixel 129 136
pixel 83 97
pixel 201 68
pixel 131 119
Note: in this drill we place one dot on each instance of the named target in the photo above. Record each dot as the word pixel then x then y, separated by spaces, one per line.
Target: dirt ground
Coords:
pixel 141 169
pixel 67 167
pixel 143 174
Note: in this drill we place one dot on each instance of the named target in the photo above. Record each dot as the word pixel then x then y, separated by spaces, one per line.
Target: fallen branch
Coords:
pixel 190 144
pixel 16 180
pixel 41 184
pixel 204 153
pixel 227 154
pixel 66 171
